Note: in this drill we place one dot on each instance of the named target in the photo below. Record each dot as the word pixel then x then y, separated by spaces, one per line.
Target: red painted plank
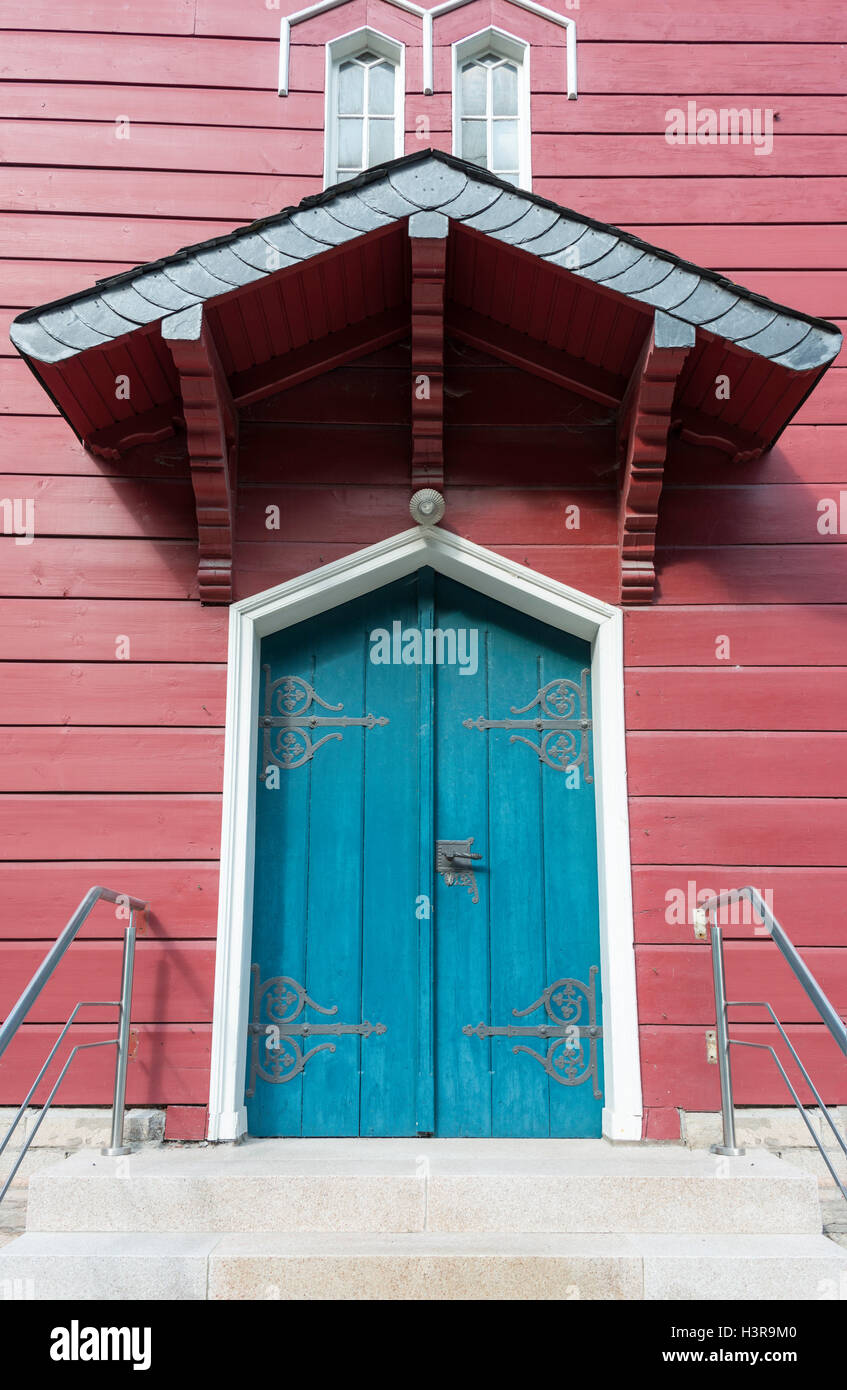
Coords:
pixel 751 831
pixel 654 21
pixel 736 764
pixel 120 693
pixel 731 697
pixel 754 574
pixel 480 455
pixel 751 248
pixel 593 569
pixel 559 155
pixel 115 827
pixel 111 760
pixel 768 636
pixel 173 981
pixel 281 150
pixel 287 149
pixel 20 392
pixel 131 240
pixel 102 16
pixel 26 283
pixel 229 197
pixel 107 506
pixel 805 68
pixel 734 516
pixel 186 1122
pixel 624 200
pixel 827 404
pixel 365 514
pixel 594 114
pixel 675 982
pixel 39 898
pixel 36 444
pixel 76 630
pixel 95 568
pixel 804 454
pixel 814 291
pixel 808 902
pixel 675 1072
pixel 168 1063
pixel 242 197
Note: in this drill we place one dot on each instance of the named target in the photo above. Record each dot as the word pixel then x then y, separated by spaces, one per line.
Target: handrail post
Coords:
pixel 729 1148
pixel 117 1148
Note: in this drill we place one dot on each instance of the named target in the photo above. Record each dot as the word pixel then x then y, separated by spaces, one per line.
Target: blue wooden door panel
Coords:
pixel 411 985
pixel 335 883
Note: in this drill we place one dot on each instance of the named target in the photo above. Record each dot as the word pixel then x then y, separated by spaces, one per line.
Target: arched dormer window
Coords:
pixel 365 91
pixel 491 104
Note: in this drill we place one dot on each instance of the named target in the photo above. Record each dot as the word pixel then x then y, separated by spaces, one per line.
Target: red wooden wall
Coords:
pixel 111 768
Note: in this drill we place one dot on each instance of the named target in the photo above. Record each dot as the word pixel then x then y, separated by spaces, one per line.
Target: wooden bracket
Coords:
pixel 428 242
pixel 211 424
pixel 645 418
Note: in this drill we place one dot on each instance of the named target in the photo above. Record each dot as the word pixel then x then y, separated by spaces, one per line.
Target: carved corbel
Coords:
pixel 645 417
pixel 211 424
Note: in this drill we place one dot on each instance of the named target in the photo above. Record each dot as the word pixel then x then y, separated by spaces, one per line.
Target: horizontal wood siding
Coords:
pixel 114 676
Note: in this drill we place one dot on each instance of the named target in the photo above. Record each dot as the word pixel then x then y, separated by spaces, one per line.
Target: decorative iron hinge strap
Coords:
pixel 562 721
pixel 293 747
pixel 281 1000
pixel 572 1056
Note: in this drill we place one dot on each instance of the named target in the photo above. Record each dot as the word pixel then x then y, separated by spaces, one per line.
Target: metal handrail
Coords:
pixel 707 914
pixel 21 1009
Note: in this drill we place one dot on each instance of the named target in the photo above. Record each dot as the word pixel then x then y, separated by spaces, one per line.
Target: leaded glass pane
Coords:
pixel 350 89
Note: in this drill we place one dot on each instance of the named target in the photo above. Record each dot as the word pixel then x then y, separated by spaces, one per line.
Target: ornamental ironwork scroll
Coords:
pixel 562 721
pixel 287 721
pixel 275 1054
pixel 573 1032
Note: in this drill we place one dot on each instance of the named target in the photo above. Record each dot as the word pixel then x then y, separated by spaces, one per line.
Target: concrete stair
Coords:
pixel 433 1219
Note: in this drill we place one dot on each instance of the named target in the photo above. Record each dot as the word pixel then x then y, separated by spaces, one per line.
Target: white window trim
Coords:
pixel 350 46
pixel 505 45
pixel 427 17
pixel 545 599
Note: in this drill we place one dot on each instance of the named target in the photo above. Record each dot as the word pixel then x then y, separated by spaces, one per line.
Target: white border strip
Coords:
pixel 427 16
pixel 550 602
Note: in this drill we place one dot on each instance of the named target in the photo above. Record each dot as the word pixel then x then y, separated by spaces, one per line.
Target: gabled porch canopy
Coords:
pixel 421 248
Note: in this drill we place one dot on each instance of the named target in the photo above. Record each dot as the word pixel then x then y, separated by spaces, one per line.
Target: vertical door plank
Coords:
pixel 519 1083
pixel 462 996
pixel 390 850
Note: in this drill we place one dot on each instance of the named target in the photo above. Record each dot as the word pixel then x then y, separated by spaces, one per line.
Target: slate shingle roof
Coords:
pixel 437 182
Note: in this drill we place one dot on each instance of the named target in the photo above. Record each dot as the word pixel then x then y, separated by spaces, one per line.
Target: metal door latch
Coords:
pixel 454 861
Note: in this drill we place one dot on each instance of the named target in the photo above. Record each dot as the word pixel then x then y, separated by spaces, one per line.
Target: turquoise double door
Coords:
pixel 425 929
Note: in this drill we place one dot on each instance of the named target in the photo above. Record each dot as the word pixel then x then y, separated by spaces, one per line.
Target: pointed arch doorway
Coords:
pixel 270 1019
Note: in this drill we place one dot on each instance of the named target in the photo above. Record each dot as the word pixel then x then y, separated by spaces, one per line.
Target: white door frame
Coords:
pixel 555 604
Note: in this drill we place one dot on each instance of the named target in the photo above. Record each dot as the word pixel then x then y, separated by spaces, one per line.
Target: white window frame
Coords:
pixel 493 40
pixel 351 45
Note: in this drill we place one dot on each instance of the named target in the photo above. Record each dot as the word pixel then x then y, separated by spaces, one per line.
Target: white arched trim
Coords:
pixel 427 17
pixel 544 599
pixel 505 46
pixel 350 46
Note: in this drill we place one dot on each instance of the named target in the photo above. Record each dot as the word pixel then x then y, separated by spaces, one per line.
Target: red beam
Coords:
pixel 530 355
pixel 334 350
pixel 428 243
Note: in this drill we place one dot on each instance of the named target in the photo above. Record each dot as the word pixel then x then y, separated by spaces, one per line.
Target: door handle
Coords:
pixel 454 860
pixel 462 861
